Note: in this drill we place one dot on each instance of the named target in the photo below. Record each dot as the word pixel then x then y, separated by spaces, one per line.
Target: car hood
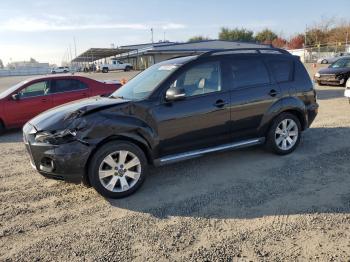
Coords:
pixel 62 116
pixel 335 71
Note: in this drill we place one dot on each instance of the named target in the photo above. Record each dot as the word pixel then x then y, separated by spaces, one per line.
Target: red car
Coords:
pixel 23 101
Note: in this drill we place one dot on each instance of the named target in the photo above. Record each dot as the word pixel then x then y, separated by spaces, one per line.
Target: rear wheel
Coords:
pixel 284 134
pixel 117 169
pixel 128 68
pixel 324 61
pixel 105 70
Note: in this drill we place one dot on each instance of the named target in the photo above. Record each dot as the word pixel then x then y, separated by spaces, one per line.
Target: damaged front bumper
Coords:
pixel 65 161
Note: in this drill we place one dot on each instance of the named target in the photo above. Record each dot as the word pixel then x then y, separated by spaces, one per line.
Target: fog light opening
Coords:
pixel 47 165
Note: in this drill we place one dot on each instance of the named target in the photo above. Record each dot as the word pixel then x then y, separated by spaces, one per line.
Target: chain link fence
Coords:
pixel 320 53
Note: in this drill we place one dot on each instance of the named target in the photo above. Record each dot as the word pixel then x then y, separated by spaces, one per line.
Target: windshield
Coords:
pixel 341 63
pixel 142 85
pixel 11 89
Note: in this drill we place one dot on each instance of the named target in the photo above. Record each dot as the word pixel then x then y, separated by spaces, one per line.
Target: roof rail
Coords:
pixel 258 50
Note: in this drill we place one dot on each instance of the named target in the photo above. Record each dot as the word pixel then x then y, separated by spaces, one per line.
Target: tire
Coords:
pixel 65 71
pixel 105 70
pixel 53 72
pixel 109 177
pixel 2 128
pixel 278 137
pixel 324 61
pixel 127 69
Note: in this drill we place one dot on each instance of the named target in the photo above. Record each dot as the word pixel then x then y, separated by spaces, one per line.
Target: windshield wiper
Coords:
pixel 116 97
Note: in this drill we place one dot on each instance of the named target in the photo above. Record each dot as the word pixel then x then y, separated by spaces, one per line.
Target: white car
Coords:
pixel 115 65
pixel 331 60
pixel 347 89
pixel 61 69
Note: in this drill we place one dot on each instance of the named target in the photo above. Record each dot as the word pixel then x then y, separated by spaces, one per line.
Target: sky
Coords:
pixel 46 29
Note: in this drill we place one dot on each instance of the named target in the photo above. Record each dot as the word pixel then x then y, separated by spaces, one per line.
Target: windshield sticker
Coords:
pixel 167 67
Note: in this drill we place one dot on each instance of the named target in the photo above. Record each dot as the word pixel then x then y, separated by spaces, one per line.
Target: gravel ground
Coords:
pixel 245 205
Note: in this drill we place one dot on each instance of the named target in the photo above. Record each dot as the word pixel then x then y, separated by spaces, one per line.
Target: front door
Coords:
pixel 201 119
pixel 33 99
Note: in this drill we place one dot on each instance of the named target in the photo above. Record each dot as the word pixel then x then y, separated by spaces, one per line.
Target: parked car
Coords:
pixel 175 110
pixel 115 65
pixel 336 74
pixel 29 98
pixel 61 69
pixel 347 90
pixel 332 59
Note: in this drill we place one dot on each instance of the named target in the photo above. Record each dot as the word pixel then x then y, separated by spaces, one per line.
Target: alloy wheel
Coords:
pixel 286 134
pixel 119 171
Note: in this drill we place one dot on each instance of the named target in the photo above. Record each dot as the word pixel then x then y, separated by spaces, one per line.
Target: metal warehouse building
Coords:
pixel 144 55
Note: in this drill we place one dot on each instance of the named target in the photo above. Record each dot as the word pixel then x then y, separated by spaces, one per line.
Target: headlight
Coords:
pixel 317 75
pixel 59 137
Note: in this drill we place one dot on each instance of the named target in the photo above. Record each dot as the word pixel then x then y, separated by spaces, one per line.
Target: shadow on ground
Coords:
pixel 252 183
pixel 11 136
pixel 329 92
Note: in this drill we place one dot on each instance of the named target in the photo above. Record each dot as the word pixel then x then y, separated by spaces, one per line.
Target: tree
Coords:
pixel 266 36
pixel 198 38
pixel 1 64
pixel 236 34
pixel 279 42
pixel 32 60
pixel 296 42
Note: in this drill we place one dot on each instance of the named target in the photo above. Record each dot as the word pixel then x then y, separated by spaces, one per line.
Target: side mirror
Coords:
pixel 15 97
pixel 174 94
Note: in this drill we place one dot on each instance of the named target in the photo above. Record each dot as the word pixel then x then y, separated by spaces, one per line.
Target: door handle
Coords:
pixel 273 93
pixel 220 103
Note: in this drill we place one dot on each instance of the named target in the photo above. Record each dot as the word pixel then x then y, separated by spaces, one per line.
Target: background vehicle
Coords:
pixel 336 74
pixel 332 59
pixel 175 110
pixel 61 69
pixel 27 99
pixel 347 90
pixel 114 65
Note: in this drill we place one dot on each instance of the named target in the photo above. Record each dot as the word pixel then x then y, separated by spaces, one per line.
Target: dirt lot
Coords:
pixel 246 205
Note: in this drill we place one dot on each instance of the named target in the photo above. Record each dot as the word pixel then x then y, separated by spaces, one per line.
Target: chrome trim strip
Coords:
pixel 197 153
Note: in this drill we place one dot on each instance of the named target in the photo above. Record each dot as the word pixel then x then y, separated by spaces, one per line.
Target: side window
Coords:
pixel 36 89
pixel 249 72
pixel 200 79
pixel 68 85
pixel 281 70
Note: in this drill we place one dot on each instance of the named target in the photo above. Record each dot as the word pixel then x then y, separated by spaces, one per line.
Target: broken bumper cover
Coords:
pixel 64 162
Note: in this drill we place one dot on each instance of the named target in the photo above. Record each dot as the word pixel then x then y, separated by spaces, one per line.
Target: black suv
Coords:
pixel 175 110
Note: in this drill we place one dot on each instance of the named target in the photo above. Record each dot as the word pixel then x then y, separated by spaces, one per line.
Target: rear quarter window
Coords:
pixel 282 70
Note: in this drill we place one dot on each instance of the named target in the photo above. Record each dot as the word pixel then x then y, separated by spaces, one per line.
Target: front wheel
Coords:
pixel 324 61
pixel 284 134
pixel 117 169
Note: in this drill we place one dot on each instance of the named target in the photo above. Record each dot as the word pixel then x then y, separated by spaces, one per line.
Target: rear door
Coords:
pixel 33 100
pixel 65 90
pixel 253 93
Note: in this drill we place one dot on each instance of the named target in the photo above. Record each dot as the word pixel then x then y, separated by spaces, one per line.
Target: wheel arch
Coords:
pixel 288 105
pixel 129 137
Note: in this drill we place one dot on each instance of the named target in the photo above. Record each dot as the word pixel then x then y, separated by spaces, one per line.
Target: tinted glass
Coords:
pixel 341 63
pixel 200 79
pixel 249 72
pixel 281 70
pixel 67 85
pixel 36 89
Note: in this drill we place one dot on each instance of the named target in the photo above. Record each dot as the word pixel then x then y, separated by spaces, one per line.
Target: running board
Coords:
pixel 197 153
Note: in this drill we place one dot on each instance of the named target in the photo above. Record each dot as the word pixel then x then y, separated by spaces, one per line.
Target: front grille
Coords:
pixel 328 77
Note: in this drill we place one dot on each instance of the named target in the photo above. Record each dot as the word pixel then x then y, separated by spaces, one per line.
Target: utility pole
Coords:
pixel 75 47
pixel 164 37
pixel 152 35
